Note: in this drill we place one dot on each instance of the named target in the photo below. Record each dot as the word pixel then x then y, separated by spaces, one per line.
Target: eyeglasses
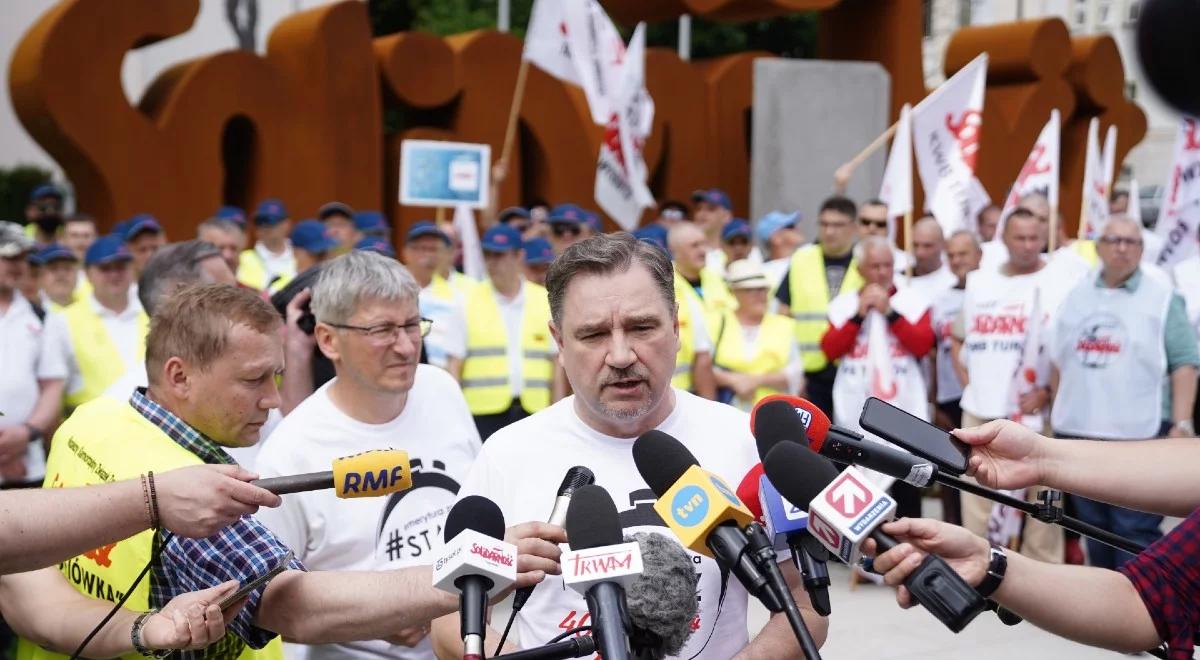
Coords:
pixel 878 224
pixel 386 334
pixel 1121 241
pixel 561 230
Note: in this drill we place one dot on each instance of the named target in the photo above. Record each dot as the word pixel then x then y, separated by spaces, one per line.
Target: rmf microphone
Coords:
pixel 850 448
pixel 369 474
pixel 600 566
pixel 474 562
pixel 701 509
pixel 846 509
pixel 576 478
pixel 776 421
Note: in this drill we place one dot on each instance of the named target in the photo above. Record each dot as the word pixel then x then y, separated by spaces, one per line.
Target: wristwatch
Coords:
pixel 1186 426
pixel 135 637
pixel 35 433
pixel 997 566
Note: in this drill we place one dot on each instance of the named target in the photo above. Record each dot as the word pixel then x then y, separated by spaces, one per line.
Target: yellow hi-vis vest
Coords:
pixel 104 441
pixel 718 299
pixel 251 270
pixel 685 295
pixel 1087 250
pixel 771 354
pixel 443 290
pixel 461 283
pixel 485 369
pixel 810 301
pixel 100 364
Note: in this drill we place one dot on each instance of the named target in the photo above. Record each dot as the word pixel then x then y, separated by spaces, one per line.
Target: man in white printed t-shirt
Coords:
pixel 991 334
pixel 369 326
pixel 614 318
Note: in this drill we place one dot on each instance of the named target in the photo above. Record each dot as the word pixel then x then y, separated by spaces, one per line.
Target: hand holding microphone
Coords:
pixel 965 552
pixel 198 501
pixel 369 474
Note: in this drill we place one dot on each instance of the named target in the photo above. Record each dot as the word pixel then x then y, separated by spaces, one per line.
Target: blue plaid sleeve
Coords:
pixel 242 552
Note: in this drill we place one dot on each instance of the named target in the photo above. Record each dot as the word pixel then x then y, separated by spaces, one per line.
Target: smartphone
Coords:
pixel 915 435
pixel 257 582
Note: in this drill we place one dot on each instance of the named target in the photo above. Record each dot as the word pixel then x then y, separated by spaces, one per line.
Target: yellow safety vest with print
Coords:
pixel 251 270
pixel 685 295
pixel 99 362
pixel 810 301
pixel 485 375
pixel 104 441
pixel 775 337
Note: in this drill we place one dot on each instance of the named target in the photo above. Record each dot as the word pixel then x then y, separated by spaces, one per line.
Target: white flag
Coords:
pixel 947 128
pixel 546 39
pixel 1134 210
pixel 1179 217
pixel 896 190
pixel 468 235
pixel 879 358
pixel 621 172
pixel 1039 174
pixel 576 42
pixel 1097 178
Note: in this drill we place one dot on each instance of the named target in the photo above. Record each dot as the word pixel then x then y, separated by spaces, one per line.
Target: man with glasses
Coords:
pixel 1122 336
pixel 424 248
pixel 518 218
pixel 873 220
pixel 510 371
pixel 44 214
pixel 566 227
pixel 370 326
pixel 817 274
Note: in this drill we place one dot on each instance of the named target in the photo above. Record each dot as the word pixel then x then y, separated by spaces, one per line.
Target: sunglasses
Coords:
pixel 878 224
pixel 565 230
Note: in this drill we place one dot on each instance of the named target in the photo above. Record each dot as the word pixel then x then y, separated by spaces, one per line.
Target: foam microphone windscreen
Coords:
pixel 776 421
pixel 662 600
pixel 1169 50
pixel 661 460
pixel 797 473
pixel 592 519
pixel 747 491
pixel 476 513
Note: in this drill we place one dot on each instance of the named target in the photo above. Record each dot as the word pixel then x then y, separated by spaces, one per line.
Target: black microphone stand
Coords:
pixel 810 557
pixel 763 554
pixel 576 647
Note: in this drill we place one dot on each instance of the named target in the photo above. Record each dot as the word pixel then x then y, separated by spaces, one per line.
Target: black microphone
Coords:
pixel 593 522
pixel 575 478
pixel 774 422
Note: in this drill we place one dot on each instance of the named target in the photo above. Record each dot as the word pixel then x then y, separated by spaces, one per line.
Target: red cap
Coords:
pixel 816 423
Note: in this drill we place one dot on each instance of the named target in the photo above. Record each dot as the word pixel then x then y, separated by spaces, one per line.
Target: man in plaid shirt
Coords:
pixel 1150 602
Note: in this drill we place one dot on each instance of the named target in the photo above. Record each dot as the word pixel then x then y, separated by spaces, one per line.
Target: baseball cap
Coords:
pixel 46 190
pixel 376 244
pixel 367 221
pixel 513 212
pixel 538 251
pixel 334 208
pixel 592 220
pixel 745 274
pixel 735 228
pixel 566 214
pixel 232 214
pixel 654 234
pixel 106 250
pixel 773 222
pixel 426 228
pixel 714 196
pixel 13 241
pixel 270 212
pixel 309 235
pixel 140 224
pixel 501 238
pixel 51 253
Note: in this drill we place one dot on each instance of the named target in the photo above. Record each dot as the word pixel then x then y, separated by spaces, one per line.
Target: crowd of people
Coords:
pixel 135 354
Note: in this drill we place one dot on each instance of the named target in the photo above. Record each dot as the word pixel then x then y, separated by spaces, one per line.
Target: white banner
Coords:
pixel 896 189
pixel 1179 217
pixel 1134 210
pixel 1039 174
pixel 947 128
pixel 546 39
pixel 576 42
pixel 1097 179
pixel 621 172
pixel 472 249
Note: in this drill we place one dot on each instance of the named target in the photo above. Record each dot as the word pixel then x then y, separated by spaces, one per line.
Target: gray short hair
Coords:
pixel 1123 218
pixel 170 269
pixel 871 243
pixel 222 224
pixel 969 234
pixel 603 254
pixel 348 280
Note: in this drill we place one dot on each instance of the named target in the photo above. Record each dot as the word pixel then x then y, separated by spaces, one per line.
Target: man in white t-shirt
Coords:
pixel 931 275
pixel 614 319
pixel 370 328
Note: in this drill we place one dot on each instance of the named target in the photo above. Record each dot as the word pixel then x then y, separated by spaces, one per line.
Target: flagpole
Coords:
pixel 510 130
pixel 1054 229
pixel 908 241
pixel 842 175
pixel 1082 233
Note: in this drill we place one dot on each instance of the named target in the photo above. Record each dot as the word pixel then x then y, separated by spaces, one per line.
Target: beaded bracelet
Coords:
pixel 154 519
pixel 146 497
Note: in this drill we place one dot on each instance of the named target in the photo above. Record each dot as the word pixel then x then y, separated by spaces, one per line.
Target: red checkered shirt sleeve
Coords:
pixel 1167 576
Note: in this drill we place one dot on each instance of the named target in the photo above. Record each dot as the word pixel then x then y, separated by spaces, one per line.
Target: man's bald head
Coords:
pixel 963 253
pixel 928 244
pixel 686 242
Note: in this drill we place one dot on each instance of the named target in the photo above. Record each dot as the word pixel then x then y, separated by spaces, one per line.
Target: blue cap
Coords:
pixel 773 222
pixel 140 224
pixel 52 252
pixel 513 212
pixel 367 221
pixel 592 220
pixel 46 190
pixel 232 214
pixel 334 208
pixel 735 228
pixel 654 234
pixel 106 250
pixel 270 212
pixel 501 238
pixel 566 214
pixel 538 251
pixel 426 228
pixel 714 196
pixel 310 236
pixel 376 244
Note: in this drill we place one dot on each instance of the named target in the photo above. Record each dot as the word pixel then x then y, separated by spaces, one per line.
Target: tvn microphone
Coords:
pixel 850 448
pixel 369 474
pixel 600 566
pixel 775 421
pixel 474 562
pixel 846 509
